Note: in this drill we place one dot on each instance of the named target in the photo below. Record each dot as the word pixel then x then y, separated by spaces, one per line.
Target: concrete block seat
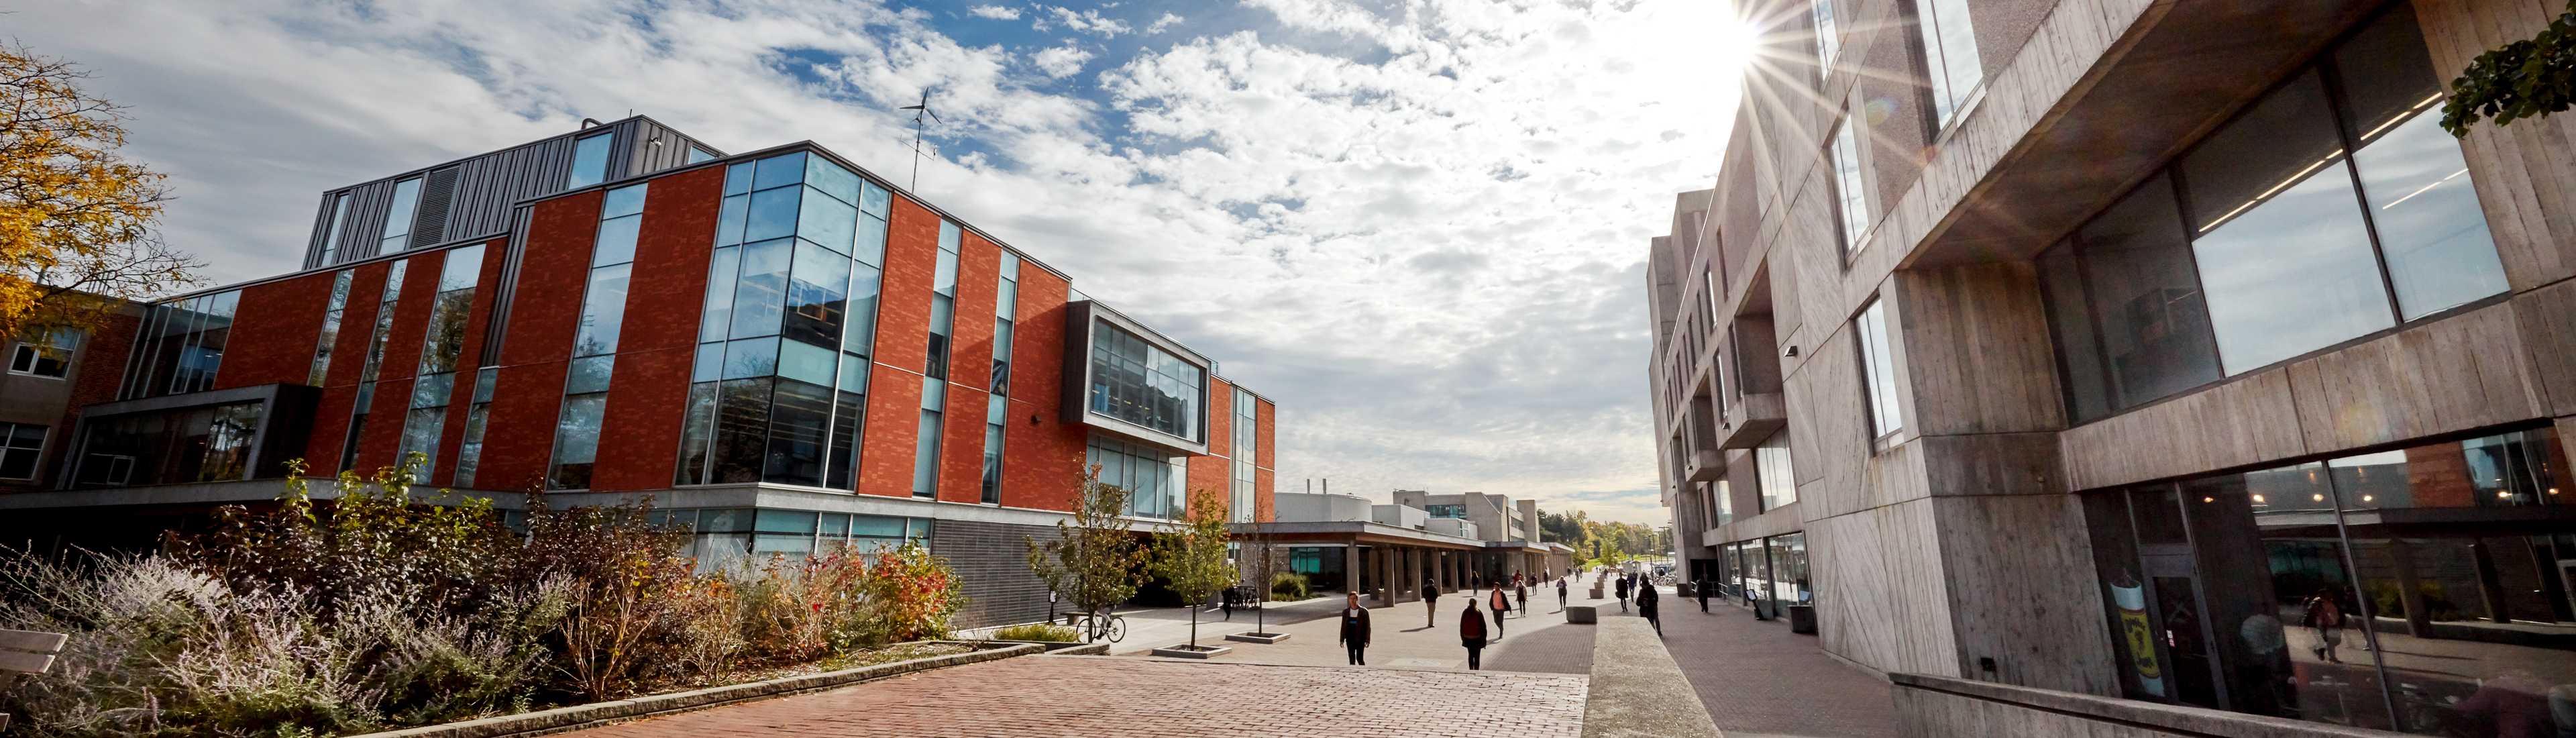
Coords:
pixel 1582 614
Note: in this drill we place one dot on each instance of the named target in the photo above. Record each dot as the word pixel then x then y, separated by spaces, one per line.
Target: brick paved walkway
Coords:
pixel 1031 697
pixel 1757 678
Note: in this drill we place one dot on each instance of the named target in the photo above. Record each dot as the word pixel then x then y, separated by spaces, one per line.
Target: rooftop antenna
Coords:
pixel 920 111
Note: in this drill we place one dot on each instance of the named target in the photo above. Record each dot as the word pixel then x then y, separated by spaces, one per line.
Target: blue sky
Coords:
pixel 1418 225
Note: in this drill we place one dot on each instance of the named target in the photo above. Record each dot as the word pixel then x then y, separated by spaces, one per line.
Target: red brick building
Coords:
pixel 780 348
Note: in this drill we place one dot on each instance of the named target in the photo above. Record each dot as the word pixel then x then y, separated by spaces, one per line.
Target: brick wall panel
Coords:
pixel 1220 413
pixel 1265 495
pixel 961 448
pixel 411 320
pixel 545 312
pixel 1211 474
pixel 330 428
pixel 274 331
pixel 978 277
pixel 911 264
pixel 357 327
pixel 893 422
pixel 1265 433
pixel 649 387
pixel 451 438
pixel 383 432
pixel 519 431
pixel 1045 463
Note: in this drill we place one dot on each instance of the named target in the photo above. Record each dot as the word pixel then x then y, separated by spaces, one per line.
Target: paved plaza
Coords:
pixel 1088 696
pixel 1758 679
pixel 1540 642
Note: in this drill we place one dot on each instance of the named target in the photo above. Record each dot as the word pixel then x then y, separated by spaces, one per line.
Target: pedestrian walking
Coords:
pixel 1522 592
pixel 1560 594
pixel 1646 599
pixel 2324 616
pixel 1502 605
pixel 1471 633
pixel 1702 589
pixel 1225 599
pixel 1430 603
pixel 1355 630
pixel 1621 586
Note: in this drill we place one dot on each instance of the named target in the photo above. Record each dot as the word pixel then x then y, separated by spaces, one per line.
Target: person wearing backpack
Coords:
pixel 2325 616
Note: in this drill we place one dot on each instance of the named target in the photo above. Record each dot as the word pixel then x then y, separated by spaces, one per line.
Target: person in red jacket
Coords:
pixel 1502 606
pixel 1471 633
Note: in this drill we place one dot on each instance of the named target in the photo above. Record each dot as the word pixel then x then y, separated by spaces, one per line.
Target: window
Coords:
pixel 185 445
pixel 1774 472
pixel 443 342
pixel 943 302
pixel 469 454
pixel 398 217
pixel 699 154
pixel 1151 476
pixel 777 391
pixel 49 355
pixel 180 346
pixel 331 237
pixel 1851 198
pixel 1878 370
pixel 1721 500
pixel 590 160
pixel 1828 39
pixel 2285 591
pixel 1246 453
pixel 1949 56
pixel 1140 383
pixel 603 317
pixel 1006 310
pixel 925 456
pixel 2267 240
pixel 330 328
pixel 1445 511
pixel 996 417
pixel 22 445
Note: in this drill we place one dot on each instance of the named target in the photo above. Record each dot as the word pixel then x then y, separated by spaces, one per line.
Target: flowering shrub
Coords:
pixel 372 610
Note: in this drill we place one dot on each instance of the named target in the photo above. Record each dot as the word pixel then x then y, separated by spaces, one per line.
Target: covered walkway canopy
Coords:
pixel 1367 557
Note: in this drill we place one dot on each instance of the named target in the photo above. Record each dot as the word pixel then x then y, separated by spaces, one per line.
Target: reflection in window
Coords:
pixel 1851 200
pixel 1878 370
pixel 2289 591
pixel 2431 231
pixel 443 343
pixel 398 217
pixel 330 328
pixel 180 345
pixel 925 455
pixel 1774 471
pixel 469 453
pixel 1949 55
pixel 1247 450
pixel 331 236
pixel 22 445
pixel 186 445
pixel 590 160
pixel 1140 383
pixel 603 317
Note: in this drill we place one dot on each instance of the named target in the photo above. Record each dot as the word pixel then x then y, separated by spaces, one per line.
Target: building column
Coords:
pixel 1351 569
pixel 1384 567
pixel 1445 565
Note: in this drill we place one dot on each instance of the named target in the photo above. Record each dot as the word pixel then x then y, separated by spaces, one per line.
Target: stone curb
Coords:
pixel 1637 690
pixel 575 717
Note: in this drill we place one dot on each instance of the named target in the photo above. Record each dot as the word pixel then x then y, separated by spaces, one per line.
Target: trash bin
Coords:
pixel 1802 619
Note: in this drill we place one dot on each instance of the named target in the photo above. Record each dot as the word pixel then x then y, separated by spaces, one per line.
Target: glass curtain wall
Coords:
pixel 180 346
pixel 1134 381
pixel 780 381
pixel 330 328
pixel 1151 476
pixel 2423 589
pixel 198 444
pixel 594 349
pixel 721 536
pixel 2332 209
pixel 441 345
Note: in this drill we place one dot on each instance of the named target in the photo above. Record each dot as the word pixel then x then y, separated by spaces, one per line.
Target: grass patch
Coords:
pixel 891 654
pixel 1038 632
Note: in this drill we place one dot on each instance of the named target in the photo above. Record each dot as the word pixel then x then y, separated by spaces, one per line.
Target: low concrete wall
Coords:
pixel 1941 707
pixel 1637 689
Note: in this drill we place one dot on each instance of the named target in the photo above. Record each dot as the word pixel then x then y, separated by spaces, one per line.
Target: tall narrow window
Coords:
pixel 385 307
pixel 997 408
pixel 1949 55
pixel 996 415
pixel 1851 199
pixel 590 160
pixel 943 302
pixel 442 342
pixel 331 237
pixel 1878 370
pixel 1828 38
pixel 594 352
pixel 925 456
pixel 398 217
pixel 1775 472
pixel 469 454
pixel 1246 452
pixel 330 328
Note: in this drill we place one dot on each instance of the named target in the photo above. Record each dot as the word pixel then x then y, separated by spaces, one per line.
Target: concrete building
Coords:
pixel 1344 543
pixel 2048 347
pixel 862 368
pixel 1491 517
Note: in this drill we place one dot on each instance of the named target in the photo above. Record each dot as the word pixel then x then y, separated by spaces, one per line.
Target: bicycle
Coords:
pixel 1112 626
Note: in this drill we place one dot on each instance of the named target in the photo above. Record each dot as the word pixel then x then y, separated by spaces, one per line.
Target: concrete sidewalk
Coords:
pixel 1535 641
pixel 1759 679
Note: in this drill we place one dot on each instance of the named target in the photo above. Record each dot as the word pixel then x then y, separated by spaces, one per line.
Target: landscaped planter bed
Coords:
pixel 582 716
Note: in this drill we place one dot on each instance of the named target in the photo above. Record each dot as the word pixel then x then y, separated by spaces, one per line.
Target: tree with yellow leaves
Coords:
pixel 75 216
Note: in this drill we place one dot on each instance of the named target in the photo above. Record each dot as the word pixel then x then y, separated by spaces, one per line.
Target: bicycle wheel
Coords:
pixel 1117 628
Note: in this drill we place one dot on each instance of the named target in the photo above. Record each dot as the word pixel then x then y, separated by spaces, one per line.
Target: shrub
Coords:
pixel 1047 632
pixel 1289 587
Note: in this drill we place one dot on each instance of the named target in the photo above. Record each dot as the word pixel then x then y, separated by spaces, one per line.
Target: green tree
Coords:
pixel 1093 560
pixel 2531 78
pixel 1192 557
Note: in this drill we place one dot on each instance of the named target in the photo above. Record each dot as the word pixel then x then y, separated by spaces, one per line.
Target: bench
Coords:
pixel 27 652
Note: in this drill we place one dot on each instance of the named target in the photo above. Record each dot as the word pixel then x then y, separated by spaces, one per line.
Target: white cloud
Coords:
pixel 1432 259
pixel 1086 21
pixel 1167 21
pixel 1061 61
pixel 994 12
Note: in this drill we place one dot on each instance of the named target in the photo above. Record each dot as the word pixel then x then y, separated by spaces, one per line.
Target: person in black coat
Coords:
pixel 1430 603
pixel 1702 588
pixel 1355 630
pixel 1471 633
pixel 1646 599
pixel 1621 585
